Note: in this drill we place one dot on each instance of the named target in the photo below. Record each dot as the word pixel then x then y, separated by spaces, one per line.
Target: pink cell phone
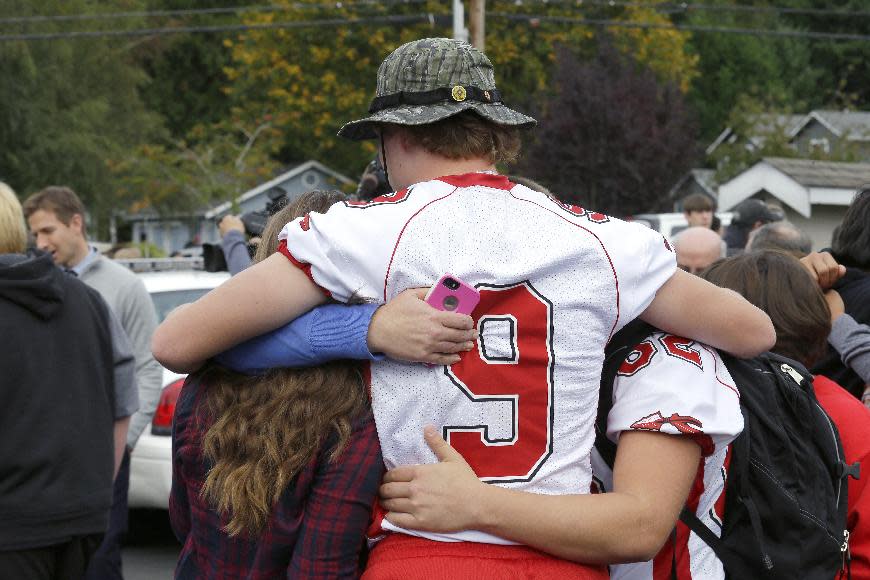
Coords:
pixel 453 295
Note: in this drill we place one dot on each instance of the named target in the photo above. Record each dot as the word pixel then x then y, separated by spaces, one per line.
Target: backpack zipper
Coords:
pixel 798 378
pixel 789 370
pixel 847 556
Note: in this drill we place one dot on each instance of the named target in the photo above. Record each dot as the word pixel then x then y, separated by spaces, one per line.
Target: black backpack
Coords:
pixel 785 501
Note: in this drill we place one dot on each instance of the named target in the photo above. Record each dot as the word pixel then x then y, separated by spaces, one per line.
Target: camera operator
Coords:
pixel 236 250
pixel 234 243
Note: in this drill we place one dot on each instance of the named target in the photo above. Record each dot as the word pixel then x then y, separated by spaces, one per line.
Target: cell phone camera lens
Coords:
pixel 451 283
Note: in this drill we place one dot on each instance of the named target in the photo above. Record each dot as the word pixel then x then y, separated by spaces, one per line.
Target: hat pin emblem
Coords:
pixel 458 93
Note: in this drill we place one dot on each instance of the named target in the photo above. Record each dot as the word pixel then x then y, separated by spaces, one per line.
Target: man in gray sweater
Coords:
pixel 56 217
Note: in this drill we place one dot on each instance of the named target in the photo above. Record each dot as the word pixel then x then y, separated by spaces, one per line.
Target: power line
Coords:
pixel 687 27
pixel 440 19
pixel 676 7
pixel 670 7
pixel 433 19
pixel 204 11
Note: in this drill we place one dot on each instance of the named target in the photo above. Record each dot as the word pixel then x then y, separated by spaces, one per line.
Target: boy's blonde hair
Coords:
pixel 13 232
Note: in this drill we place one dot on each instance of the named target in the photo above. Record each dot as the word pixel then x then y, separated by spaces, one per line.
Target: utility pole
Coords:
pixel 459 30
pixel 477 23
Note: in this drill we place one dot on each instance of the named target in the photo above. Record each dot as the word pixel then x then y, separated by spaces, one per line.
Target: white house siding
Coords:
pixel 820 225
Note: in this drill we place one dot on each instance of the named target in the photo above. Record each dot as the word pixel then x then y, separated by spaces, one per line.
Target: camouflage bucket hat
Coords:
pixel 431 79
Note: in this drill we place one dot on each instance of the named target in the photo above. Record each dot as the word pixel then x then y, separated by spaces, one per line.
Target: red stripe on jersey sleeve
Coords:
pixel 684 555
pixel 306 268
pixel 705 442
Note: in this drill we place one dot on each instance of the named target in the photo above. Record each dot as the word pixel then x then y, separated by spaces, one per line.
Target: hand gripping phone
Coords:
pixel 453 295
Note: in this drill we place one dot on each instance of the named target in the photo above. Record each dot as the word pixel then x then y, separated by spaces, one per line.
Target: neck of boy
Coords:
pixel 437 166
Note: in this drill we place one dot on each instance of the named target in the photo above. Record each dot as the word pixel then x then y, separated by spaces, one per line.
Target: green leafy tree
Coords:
pixel 187 84
pixel 68 107
pixel 311 80
pixel 214 164
pixel 777 71
pixel 842 66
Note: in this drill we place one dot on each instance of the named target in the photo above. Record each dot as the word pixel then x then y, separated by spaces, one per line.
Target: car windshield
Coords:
pixel 165 302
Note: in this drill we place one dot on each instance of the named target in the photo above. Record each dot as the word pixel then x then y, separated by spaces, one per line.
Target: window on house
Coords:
pixel 820 144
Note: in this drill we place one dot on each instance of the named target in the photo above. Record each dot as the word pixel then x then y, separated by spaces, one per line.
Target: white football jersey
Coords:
pixel 680 387
pixel 556 281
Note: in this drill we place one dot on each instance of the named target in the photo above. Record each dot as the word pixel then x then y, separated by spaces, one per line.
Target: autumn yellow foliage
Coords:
pixel 311 79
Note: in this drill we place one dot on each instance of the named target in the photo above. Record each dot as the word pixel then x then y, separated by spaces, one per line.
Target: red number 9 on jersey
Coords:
pixel 525 379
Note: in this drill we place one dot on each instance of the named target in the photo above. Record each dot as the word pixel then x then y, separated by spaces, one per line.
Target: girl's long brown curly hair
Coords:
pixel 267 428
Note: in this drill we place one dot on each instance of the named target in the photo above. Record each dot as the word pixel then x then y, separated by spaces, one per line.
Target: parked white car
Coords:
pixel 670 224
pixel 151 460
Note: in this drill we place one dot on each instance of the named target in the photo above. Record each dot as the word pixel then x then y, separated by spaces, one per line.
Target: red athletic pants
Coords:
pixel 404 557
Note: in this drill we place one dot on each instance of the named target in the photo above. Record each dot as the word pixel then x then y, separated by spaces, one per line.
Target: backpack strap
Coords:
pixel 740 453
pixel 715 543
pixel 619 347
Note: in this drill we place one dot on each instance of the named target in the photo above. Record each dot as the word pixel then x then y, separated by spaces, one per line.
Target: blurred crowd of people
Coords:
pixel 757 227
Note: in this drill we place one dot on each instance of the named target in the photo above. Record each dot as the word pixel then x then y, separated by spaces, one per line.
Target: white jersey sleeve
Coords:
pixel 677 386
pixel 642 266
pixel 347 253
pixel 680 387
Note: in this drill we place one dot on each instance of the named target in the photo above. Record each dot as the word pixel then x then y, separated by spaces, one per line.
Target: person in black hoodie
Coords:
pixel 851 247
pixel 66 394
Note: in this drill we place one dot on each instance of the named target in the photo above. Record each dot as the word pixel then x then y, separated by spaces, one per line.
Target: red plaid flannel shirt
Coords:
pixel 316 529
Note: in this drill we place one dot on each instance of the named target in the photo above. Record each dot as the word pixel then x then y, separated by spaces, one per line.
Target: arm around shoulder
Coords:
pixel 652 477
pixel 691 307
pixel 257 300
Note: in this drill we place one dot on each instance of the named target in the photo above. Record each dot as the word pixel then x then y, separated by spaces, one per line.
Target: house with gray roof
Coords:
pixel 173 233
pixel 820 129
pixel 813 194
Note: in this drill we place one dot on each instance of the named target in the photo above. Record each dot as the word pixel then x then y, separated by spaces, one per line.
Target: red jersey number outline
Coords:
pixel 681 348
pixel 527 384
pixel 638 359
pixel 642 355
pixel 386 199
pixel 577 211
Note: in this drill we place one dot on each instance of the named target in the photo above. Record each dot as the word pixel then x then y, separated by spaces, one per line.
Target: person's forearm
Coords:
pixel 120 436
pixel 652 476
pixel 599 528
pixel 235 249
pixel 140 322
pixel 651 479
pixel 326 333
pixel 852 341
pixel 694 308
pixel 149 380
pixel 257 300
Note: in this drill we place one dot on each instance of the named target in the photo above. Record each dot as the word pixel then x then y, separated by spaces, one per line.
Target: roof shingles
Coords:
pixel 814 173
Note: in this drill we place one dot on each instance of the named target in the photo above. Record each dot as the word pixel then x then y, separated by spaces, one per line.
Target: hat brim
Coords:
pixel 363 129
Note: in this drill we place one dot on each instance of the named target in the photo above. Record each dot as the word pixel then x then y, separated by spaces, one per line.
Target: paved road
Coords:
pixel 151 550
